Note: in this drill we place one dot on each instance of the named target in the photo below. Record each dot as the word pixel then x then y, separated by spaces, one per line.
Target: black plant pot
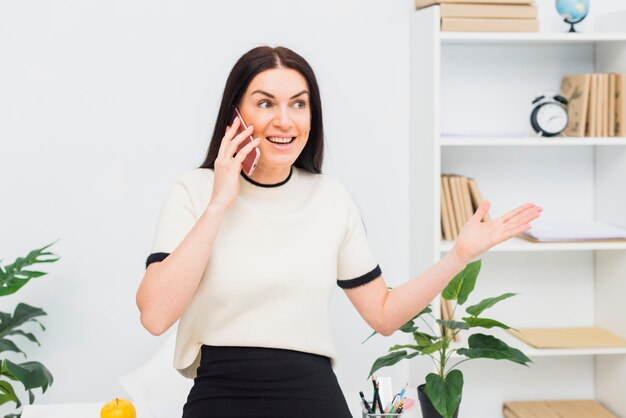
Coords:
pixel 428 410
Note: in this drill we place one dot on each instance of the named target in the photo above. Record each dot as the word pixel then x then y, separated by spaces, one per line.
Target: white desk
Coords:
pixel 92 410
pixel 149 410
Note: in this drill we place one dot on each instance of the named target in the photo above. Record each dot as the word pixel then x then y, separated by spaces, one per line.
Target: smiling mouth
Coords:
pixel 277 140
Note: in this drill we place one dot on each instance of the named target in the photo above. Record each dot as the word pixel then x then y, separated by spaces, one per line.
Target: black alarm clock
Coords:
pixel 549 115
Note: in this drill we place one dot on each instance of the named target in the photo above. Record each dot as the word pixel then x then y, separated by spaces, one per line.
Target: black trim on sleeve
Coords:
pixel 154 257
pixel 360 281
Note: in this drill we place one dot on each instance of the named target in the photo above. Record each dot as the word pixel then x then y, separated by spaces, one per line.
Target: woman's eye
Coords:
pixel 301 104
pixel 264 104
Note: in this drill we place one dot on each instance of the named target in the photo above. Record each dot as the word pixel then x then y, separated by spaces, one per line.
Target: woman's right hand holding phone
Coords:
pixel 228 165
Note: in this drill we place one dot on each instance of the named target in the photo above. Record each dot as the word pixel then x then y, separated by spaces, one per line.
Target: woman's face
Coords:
pixel 277 104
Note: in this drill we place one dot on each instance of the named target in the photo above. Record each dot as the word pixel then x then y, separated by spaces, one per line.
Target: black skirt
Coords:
pixel 254 382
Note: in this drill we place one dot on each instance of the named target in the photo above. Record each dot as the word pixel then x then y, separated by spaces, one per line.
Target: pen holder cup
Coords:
pixel 380 415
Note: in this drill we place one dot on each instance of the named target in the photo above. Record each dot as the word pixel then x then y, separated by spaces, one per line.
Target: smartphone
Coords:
pixel 251 160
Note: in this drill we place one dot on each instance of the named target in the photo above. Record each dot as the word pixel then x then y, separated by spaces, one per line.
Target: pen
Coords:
pixel 399 396
pixel 377 396
pixel 367 405
pixel 400 407
pixel 375 393
pixel 403 391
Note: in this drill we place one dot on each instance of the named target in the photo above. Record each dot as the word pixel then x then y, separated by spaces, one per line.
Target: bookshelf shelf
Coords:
pixel 522 245
pixel 485 82
pixel 529 38
pixel 515 141
pixel 533 352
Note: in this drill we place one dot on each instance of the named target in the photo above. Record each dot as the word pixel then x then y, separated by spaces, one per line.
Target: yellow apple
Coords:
pixel 118 408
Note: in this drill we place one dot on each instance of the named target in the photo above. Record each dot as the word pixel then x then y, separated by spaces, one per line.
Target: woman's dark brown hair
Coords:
pixel 249 65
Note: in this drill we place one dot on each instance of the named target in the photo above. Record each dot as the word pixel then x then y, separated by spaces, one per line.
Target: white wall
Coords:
pixel 103 104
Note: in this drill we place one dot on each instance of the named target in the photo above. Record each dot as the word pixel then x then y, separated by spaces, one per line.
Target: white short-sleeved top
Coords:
pixel 279 253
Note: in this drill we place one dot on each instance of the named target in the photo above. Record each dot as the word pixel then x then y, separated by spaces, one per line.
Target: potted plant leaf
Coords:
pixel 440 395
pixel 30 374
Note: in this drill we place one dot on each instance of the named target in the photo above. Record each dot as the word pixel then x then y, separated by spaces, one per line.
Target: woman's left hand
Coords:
pixel 476 237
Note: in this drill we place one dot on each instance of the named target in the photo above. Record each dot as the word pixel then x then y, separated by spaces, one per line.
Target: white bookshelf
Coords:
pixel 470 105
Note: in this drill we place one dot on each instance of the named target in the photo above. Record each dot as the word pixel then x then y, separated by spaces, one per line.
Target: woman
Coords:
pixel 248 264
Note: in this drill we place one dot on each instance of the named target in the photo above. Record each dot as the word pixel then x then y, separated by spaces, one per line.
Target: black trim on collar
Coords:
pixel 360 281
pixel 268 185
pixel 154 257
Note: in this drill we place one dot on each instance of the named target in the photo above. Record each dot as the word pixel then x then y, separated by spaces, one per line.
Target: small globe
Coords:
pixel 572 11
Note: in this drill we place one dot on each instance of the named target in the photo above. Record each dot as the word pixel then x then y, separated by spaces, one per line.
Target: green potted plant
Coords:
pixel 30 374
pixel 440 395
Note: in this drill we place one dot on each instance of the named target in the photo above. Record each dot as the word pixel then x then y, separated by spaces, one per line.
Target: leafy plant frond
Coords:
pixel 485 323
pixel 488 346
pixel 401 346
pixel 391 359
pixel 14 275
pixel 22 314
pixel 370 336
pixel 7 394
pixel 453 324
pixel 30 374
pixel 476 310
pixel 423 339
pixel 445 392
pixel 462 284
pixel 8 345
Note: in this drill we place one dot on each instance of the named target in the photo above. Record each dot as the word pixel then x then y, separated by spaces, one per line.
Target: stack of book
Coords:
pixel 597 104
pixel 485 15
pixel 460 197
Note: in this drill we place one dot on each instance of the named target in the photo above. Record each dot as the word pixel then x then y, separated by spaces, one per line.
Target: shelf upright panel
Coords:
pixel 424 153
pixel 424 160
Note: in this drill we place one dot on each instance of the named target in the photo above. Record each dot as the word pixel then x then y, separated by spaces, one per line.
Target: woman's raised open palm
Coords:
pixel 478 236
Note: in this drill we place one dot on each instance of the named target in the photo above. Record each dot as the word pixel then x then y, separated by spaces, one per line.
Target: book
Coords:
pixel 590 130
pixel 575 88
pixel 460 24
pixel 448 197
pixel 420 4
pixel 467 200
pixel 446 229
pixel 598 107
pixel 605 104
pixel 582 337
pixel 461 197
pixel 620 105
pixel 577 408
pixel 501 11
pixel 611 110
pixel 457 202
pixel 477 197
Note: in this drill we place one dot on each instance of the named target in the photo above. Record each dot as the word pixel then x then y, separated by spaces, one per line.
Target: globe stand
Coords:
pixel 573 22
